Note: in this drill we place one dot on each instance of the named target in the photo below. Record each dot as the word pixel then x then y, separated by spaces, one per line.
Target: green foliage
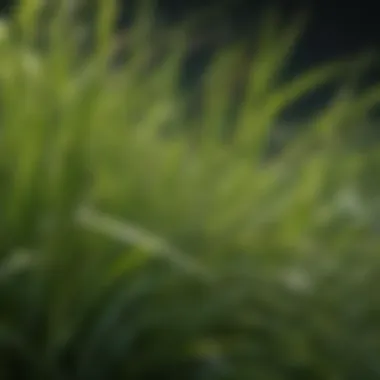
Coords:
pixel 130 249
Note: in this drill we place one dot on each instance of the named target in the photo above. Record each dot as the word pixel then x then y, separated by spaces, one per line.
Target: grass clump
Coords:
pixel 136 242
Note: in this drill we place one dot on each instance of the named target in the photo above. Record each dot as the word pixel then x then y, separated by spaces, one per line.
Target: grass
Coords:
pixel 136 242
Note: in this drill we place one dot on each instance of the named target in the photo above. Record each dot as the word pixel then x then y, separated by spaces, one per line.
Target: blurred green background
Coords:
pixel 151 232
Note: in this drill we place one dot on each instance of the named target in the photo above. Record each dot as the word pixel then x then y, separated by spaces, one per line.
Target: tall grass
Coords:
pixel 137 243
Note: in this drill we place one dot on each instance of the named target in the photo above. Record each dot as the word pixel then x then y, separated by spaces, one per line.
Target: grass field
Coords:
pixel 138 242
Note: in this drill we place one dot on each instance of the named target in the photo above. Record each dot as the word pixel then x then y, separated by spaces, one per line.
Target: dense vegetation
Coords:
pixel 140 241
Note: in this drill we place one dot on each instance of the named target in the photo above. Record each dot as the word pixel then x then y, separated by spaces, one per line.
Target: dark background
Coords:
pixel 336 28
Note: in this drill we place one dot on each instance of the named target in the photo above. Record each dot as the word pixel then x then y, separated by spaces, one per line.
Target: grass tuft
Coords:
pixel 137 242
